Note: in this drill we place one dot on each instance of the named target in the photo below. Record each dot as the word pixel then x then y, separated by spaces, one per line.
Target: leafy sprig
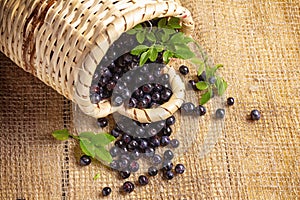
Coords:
pixel 91 144
pixel 164 38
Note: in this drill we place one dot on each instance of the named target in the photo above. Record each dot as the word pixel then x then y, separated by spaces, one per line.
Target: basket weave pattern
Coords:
pixel 62 42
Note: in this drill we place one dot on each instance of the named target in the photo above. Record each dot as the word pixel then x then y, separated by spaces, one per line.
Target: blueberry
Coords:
pixel 135 154
pixel 156 159
pixel 126 138
pixel 179 168
pixel 184 70
pixel 147 88
pixel 134 166
pixel 143 180
pixel 165 78
pixel 117 100
pixel 143 144
pixel 255 115
pixel 85 160
pixel 125 174
pixel 167 131
pixel 95 98
pixel 174 143
pixel 170 121
pixel 115 132
pixel 132 145
pixel 169 175
pixel 155 97
pixel 187 108
pixel 128 187
pixel 106 191
pixel 168 155
pixel 120 144
pixel 114 164
pixel 200 110
pixel 167 165
pixel 166 94
pixel 164 141
pixel 202 77
pixel 149 152
pixel 154 142
pixel 123 164
pixel 114 151
pixel 192 83
pixel 152 171
pixel 220 113
pixel 230 101
pixel 102 122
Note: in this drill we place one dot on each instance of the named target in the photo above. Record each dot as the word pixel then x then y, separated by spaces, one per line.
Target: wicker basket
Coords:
pixel 62 42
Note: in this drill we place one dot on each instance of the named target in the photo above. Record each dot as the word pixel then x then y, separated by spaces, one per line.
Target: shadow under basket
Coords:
pixel 62 43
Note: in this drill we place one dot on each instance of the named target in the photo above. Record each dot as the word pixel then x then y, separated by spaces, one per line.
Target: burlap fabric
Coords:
pixel 257 41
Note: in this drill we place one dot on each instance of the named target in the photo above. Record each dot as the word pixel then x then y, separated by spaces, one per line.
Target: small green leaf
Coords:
pixel 102 154
pixel 97 176
pixel 174 23
pixel 102 139
pixel 221 86
pixel 162 23
pixel 131 32
pixel 139 49
pixel 153 54
pixel 158 47
pixel 183 51
pixel 177 38
pixel 140 37
pixel 201 85
pixel 205 97
pixel 187 39
pixel 138 27
pixel 165 37
pixel 86 135
pixel 87 147
pixel 151 37
pixel 61 134
pixel 166 56
pixel 201 68
pixel 144 58
pixel 169 31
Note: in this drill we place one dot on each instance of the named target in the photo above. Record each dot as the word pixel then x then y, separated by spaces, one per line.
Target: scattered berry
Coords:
pixel 152 171
pixel 174 143
pixel 102 122
pixel 124 174
pixel 192 83
pixel 200 110
pixel 167 166
pixel 169 175
pixel 128 187
pixel 179 168
pixel 143 180
pixel 202 77
pixel 184 70
pixel 230 101
pixel 168 155
pixel 255 115
pixel 106 191
pixel 134 166
pixel 85 160
pixel 220 113
pixel 170 121
pixel 164 141
pixel 187 108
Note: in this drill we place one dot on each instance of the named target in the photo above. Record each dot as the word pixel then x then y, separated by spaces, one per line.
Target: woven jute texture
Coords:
pixel 257 41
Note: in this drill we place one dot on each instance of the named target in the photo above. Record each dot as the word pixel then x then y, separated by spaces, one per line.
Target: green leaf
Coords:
pixel 61 134
pixel 151 37
pixel 138 27
pixel 162 23
pixel 139 49
pixel 169 31
pixel 87 135
pixel 97 176
pixel 201 68
pixel 187 39
pixel 202 85
pixel 102 154
pixel 177 38
pixel 205 97
pixel 221 86
pixel 87 147
pixel 174 23
pixel 140 37
pixel 159 47
pixel 102 139
pixel 183 51
pixel 166 56
pixel 153 54
pixel 210 71
pixel 144 58
pixel 131 32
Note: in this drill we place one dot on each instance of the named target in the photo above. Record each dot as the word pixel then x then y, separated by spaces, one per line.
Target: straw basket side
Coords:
pixel 62 42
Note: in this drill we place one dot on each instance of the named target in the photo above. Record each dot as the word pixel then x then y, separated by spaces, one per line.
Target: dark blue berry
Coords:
pixel 132 145
pixel 230 101
pixel 154 142
pixel 114 165
pixel 85 160
pixel 167 131
pixel 123 164
pixel 128 187
pixel 143 144
pixel 143 180
pixel 149 152
pixel 166 94
pixel 156 159
pixel 192 84
pixel 202 77
pixel 187 108
pixel 114 151
pixel 200 110
pixel 115 132
pixel 167 166
pixel 124 174
pixel 255 115
pixel 152 171
pixel 179 168
pixel 134 166
pixel 212 80
pixel 174 143
pixel 184 70
pixel 95 98
pixel 170 121
pixel 168 175
pixel 106 191
pixel 164 141
pixel 102 122
pixel 126 138
pixel 135 154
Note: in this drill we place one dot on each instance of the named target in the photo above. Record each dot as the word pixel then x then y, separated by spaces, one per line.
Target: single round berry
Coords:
pixel 169 175
pixel 168 155
pixel 114 164
pixel 179 168
pixel 152 171
pixel 220 113
pixel 174 143
pixel 143 180
pixel 85 160
pixel 230 101
pixel 106 191
pixel 126 138
pixel 164 141
pixel 255 115
pixel 115 132
pixel 102 122
pixel 202 76
pixel 192 83
pixel 167 131
pixel 149 152
pixel 170 121
pixel 124 174
pixel 167 166
pixel 187 108
pixel 156 159
pixel 200 110
pixel 184 70
pixel 114 151
pixel 95 98
pixel 128 187
pixel 134 166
